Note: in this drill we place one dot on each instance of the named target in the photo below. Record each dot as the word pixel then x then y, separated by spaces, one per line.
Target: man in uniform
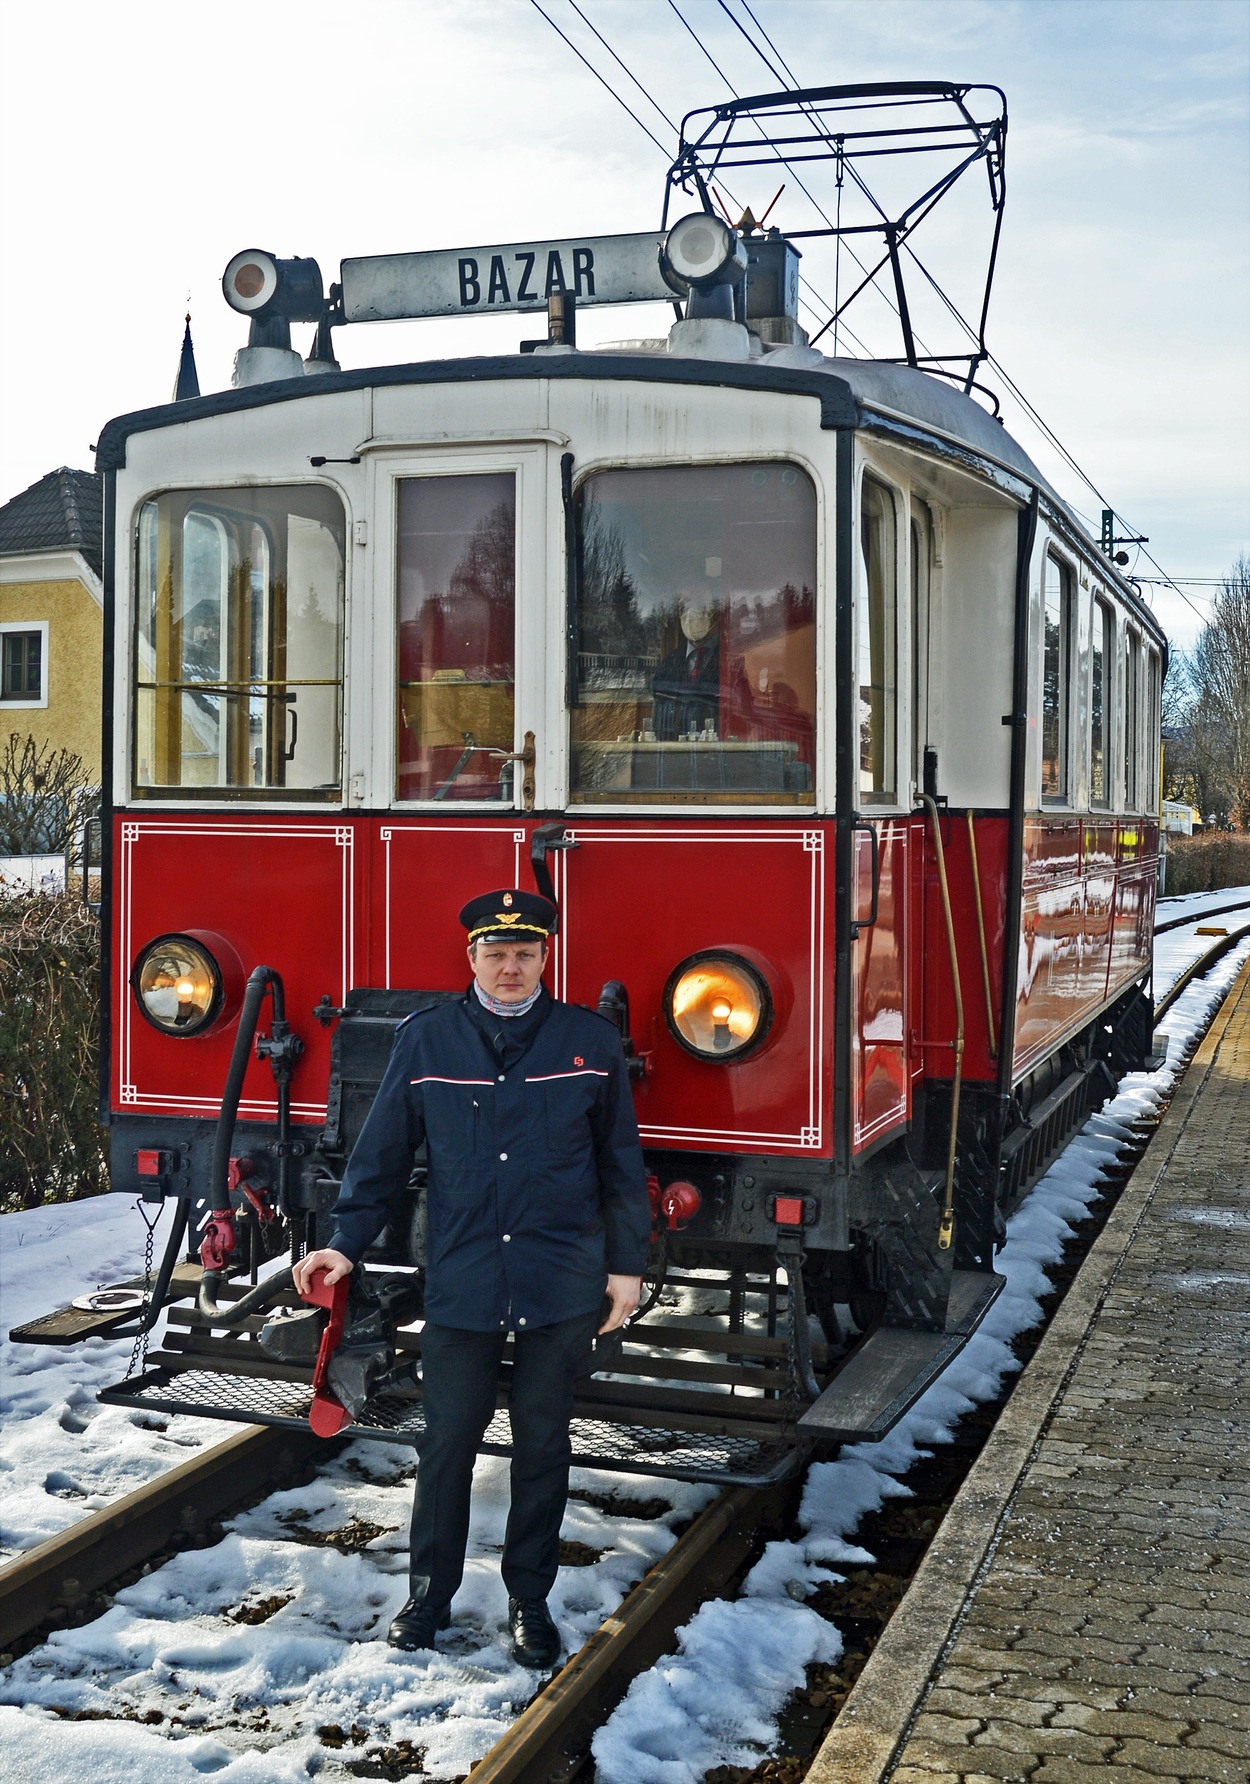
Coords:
pixel 538 1221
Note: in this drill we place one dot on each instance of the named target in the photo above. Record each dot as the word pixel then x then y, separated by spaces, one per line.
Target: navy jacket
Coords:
pixel 537 1188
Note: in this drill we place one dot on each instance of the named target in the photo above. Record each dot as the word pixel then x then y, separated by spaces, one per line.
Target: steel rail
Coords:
pixel 66 1569
pixel 1197 968
pixel 1219 910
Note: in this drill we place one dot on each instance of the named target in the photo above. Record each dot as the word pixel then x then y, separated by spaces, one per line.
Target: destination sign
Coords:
pixel 605 269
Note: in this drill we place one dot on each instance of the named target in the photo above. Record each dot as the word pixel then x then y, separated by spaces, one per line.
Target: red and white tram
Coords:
pixel 832 732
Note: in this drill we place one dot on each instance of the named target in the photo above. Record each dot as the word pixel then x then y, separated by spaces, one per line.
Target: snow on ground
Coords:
pixel 262 1659
pixel 62 1454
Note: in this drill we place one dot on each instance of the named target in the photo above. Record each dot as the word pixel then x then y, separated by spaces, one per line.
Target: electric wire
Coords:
pixel 1048 433
pixel 604 83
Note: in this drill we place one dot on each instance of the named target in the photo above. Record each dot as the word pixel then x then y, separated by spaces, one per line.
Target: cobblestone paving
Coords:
pixel 1108 1641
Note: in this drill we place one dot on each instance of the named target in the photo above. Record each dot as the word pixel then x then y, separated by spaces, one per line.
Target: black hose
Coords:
pixel 259 981
pixel 235 1312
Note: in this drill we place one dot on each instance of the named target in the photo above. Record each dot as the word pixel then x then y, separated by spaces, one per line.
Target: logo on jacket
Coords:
pixel 578 1060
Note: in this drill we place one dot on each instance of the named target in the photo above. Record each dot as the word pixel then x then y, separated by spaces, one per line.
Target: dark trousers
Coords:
pixel 460 1371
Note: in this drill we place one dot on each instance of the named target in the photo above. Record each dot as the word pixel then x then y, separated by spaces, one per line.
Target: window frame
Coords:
pixel 127 683
pixel 824 740
pixel 1062 795
pixel 895 797
pixel 26 702
pixel 1102 611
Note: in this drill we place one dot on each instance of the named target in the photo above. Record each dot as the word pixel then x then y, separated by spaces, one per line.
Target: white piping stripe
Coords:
pixel 550 1077
pixel 433 1079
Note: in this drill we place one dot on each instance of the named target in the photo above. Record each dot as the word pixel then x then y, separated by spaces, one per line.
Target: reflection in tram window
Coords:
pixel 1101 658
pixel 878 646
pixel 695 669
pixel 1056 657
pixel 457 601
pixel 238 648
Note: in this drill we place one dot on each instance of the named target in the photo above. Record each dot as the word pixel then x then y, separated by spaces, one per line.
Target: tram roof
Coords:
pixel 899 400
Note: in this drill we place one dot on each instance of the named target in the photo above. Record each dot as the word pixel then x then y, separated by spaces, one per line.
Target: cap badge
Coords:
pixel 507 898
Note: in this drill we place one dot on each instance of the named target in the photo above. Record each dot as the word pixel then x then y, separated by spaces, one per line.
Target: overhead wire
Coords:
pixel 786 73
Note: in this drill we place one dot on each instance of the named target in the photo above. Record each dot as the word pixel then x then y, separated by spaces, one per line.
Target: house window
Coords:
pixel 1056 660
pixel 23 656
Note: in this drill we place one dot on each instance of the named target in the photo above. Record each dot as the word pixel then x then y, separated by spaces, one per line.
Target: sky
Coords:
pixel 144 142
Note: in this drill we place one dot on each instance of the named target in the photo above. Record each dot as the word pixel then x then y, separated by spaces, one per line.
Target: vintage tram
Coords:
pixel 829 729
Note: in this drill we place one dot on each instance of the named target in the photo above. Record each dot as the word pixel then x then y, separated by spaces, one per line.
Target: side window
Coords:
pixel 456 560
pixel 693 636
pixel 878 646
pixel 239 642
pixel 921 537
pixel 1132 733
pixel 1153 687
pixel 1056 681
pixel 1101 665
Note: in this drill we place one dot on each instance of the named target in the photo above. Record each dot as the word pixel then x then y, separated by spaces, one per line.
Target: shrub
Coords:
pixel 52 1146
pixel 1207 863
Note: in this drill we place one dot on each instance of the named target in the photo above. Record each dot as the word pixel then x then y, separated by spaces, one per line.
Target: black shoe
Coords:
pixel 535 1638
pixel 416 1625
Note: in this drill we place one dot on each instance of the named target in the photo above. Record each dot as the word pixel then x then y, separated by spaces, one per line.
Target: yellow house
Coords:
pixel 51 614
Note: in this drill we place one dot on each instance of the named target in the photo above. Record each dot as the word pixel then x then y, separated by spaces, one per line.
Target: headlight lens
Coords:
pixel 718 1006
pixel 178 985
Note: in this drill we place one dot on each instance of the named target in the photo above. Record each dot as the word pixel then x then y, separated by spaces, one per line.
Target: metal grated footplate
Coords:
pixel 393 1418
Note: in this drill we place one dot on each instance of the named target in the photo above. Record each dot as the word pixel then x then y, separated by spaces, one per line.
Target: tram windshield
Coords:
pixel 239 642
pixel 695 669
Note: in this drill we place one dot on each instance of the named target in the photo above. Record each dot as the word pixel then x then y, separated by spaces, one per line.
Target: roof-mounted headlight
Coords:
pixel 701 251
pixel 179 984
pixel 718 1006
pixel 259 285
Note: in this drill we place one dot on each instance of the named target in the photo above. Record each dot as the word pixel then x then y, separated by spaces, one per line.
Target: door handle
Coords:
pixel 870 830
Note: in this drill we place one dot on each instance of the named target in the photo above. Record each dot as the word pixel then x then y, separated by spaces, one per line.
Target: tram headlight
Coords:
pixel 701 251
pixel 178 985
pixel 717 1005
pixel 258 284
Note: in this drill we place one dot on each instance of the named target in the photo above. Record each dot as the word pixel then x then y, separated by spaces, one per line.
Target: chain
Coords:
pixel 139 1355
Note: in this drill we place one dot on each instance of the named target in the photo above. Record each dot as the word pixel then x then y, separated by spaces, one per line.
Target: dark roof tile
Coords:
pixel 63 511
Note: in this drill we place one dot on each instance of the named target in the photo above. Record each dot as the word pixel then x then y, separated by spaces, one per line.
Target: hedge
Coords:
pixel 52 1146
pixel 1207 863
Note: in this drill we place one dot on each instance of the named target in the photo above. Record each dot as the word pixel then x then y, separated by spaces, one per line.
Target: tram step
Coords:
pixel 893 1367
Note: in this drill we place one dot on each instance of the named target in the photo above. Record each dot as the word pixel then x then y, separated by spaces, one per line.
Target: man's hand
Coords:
pixel 625 1292
pixel 335 1265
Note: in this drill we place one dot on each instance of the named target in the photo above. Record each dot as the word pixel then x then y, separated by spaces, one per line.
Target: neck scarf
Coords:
pixel 497 1008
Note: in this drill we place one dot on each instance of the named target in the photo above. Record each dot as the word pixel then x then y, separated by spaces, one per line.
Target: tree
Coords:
pixel 45 798
pixel 1209 762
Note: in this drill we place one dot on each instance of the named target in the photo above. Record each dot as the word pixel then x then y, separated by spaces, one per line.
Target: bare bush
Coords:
pixel 1207 863
pixel 52 1146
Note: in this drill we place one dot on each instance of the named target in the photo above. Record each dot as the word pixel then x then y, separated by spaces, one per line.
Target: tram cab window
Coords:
pixel 878 646
pixel 694 629
pixel 1101 661
pixel 457 624
pixel 1132 734
pixel 1056 680
pixel 239 642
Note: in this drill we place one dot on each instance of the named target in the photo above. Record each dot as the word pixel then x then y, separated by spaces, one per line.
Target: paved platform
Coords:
pixel 1084 1612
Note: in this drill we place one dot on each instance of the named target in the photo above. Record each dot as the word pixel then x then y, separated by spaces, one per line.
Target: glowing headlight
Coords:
pixel 177 984
pixel 718 1006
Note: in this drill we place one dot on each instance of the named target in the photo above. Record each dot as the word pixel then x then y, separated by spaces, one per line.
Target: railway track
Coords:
pixel 69 1577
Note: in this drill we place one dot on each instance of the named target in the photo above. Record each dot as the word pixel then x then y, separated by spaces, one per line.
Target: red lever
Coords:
pixel 326 1415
